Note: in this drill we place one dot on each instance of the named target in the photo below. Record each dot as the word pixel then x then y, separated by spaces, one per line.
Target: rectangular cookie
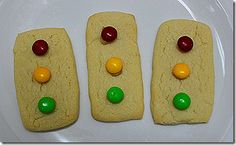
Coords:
pixel 62 87
pixel 100 80
pixel 200 83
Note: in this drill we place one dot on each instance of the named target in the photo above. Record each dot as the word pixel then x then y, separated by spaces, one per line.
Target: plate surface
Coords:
pixel 21 15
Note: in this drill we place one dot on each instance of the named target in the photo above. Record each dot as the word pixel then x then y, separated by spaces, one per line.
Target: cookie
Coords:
pixel 46 79
pixel 114 68
pixel 182 86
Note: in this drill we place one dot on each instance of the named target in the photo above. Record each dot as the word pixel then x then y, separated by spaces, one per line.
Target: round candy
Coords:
pixel 115 95
pixel 181 71
pixel 114 65
pixel 185 43
pixel 181 101
pixel 42 74
pixel 109 34
pixel 40 47
pixel 46 105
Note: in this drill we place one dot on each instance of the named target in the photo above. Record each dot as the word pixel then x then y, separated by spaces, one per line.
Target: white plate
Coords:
pixel 21 15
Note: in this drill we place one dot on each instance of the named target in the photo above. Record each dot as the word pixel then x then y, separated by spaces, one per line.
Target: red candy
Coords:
pixel 40 47
pixel 109 34
pixel 185 43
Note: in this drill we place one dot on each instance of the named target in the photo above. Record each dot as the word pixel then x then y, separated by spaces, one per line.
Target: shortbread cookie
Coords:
pixel 46 77
pixel 114 69
pixel 182 86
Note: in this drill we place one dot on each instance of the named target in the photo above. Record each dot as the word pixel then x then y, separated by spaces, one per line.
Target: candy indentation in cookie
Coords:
pixel 40 47
pixel 185 43
pixel 42 74
pixel 46 105
pixel 109 34
pixel 181 71
pixel 181 101
pixel 114 66
pixel 115 95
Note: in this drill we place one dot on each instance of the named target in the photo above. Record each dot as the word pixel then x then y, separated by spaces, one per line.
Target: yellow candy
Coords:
pixel 42 74
pixel 114 65
pixel 181 71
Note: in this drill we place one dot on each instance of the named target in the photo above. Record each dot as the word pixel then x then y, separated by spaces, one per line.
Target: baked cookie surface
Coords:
pixel 199 85
pixel 63 85
pixel 100 80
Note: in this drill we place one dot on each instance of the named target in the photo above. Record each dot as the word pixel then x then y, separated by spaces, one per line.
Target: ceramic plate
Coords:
pixel 21 15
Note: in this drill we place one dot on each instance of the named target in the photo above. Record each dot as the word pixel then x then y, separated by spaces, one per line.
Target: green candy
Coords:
pixel 181 101
pixel 46 105
pixel 115 95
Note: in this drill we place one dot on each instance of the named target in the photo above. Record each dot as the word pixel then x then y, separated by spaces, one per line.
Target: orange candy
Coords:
pixel 181 71
pixel 114 65
pixel 42 74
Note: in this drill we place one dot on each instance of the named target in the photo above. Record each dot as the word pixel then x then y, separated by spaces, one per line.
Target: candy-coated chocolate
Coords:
pixel 115 95
pixel 181 71
pixel 185 43
pixel 181 101
pixel 46 105
pixel 40 47
pixel 109 34
pixel 42 74
pixel 114 65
